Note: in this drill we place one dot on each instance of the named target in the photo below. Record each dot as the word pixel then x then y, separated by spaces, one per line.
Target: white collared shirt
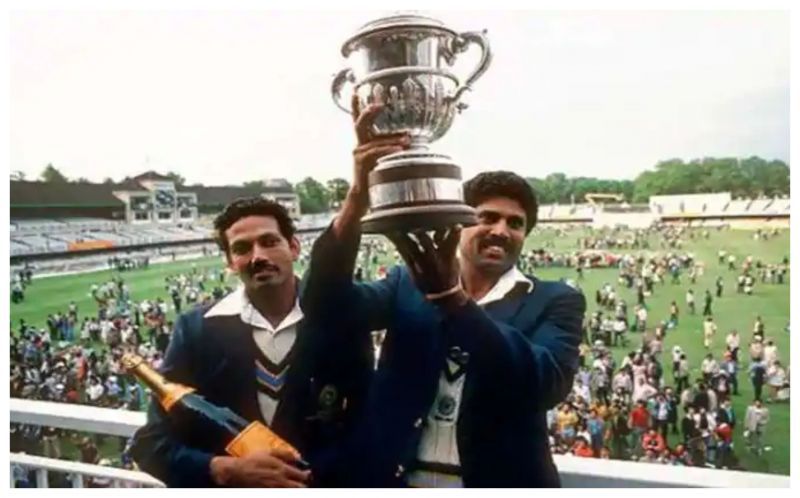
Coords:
pixel 439 444
pixel 505 284
pixel 274 342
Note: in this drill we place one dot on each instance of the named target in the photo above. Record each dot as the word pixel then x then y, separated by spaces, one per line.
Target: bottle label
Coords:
pixel 257 436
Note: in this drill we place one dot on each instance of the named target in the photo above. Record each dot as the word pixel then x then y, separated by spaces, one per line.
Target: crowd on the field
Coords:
pixel 637 409
pixel 75 356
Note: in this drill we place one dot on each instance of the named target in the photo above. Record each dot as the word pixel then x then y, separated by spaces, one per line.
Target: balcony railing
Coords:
pixel 575 472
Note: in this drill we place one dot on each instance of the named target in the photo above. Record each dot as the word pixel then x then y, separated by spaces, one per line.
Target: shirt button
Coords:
pixel 418 423
pixel 400 470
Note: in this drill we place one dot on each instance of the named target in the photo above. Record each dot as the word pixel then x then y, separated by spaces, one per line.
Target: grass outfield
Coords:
pixel 731 311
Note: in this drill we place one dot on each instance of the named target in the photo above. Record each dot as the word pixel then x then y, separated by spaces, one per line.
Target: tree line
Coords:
pixel 750 177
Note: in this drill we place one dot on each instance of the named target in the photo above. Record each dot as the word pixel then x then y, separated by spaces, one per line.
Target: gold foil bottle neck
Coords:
pixel 168 393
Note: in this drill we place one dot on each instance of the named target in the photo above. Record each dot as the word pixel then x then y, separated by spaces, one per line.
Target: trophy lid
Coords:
pixel 404 21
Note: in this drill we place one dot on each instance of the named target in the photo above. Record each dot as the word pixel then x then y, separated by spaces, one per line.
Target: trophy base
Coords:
pixel 416 189
pixel 412 218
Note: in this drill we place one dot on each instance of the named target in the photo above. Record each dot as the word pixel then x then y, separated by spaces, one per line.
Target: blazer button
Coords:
pixel 400 470
pixel 418 423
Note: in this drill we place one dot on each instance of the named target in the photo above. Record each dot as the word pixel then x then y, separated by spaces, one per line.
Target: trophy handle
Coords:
pixel 342 77
pixel 460 44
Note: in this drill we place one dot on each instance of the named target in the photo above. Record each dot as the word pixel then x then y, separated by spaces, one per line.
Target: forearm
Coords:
pixel 347 224
pixel 334 253
pixel 330 273
pixel 329 293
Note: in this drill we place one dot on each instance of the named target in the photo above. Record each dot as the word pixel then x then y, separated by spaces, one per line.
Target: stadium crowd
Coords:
pixel 633 410
pixel 75 358
pixel 637 409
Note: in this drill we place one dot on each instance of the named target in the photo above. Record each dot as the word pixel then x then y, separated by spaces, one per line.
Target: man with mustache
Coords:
pixel 252 352
pixel 475 352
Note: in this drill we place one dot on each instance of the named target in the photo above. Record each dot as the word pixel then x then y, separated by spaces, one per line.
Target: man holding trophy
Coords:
pixel 475 352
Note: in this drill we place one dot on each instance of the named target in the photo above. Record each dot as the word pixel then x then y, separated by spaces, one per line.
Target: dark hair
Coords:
pixel 503 184
pixel 251 206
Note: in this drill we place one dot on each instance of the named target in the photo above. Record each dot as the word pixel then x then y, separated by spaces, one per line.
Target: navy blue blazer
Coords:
pixel 523 354
pixel 216 355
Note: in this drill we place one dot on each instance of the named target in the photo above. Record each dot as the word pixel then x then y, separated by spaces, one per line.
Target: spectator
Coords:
pixel 582 448
pixel 730 369
pixel 639 422
pixel 776 376
pixel 709 329
pixel 690 301
pixel 567 421
pixel 758 374
pixel 653 441
pixel 732 342
pixel 755 422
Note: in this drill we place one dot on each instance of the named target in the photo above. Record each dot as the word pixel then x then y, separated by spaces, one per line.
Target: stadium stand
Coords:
pixel 55 218
pixel 566 213
pixel 147 209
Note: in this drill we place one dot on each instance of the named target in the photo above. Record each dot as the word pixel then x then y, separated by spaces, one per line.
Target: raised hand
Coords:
pixel 432 261
pixel 369 149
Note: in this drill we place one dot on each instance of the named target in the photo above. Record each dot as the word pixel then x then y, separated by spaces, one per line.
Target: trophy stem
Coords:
pixel 419 144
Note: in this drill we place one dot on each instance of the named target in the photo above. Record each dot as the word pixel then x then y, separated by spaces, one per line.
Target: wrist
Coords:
pixel 354 207
pixel 357 198
pixel 220 469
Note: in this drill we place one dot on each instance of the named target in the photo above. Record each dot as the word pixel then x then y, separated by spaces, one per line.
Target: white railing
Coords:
pixel 78 418
pixel 79 471
pixel 575 472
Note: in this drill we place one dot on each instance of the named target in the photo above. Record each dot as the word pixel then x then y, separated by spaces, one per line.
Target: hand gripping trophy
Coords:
pixel 403 62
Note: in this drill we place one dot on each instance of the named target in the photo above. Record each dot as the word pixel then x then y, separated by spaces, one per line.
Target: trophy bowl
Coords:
pixel 404 62
pixel 418 104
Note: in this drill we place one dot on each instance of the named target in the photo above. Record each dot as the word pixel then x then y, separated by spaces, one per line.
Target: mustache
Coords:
pixel 494 240
pixel 258 266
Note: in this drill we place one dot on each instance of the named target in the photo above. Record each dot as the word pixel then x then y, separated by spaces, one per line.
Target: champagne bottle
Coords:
pixel 187 408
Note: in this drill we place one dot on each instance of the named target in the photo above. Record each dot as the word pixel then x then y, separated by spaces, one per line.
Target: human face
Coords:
pixel 494 244
pixel 259 253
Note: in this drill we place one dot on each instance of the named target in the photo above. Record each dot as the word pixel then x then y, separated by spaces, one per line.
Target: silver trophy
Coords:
pixel 404 62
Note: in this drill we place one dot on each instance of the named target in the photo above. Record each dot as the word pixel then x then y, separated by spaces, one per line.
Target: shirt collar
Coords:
pixel 237 303
pixel 508 281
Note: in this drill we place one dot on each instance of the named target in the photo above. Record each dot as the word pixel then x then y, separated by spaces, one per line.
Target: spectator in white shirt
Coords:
pixel 770 352
pixel 755 422
pixel 641 318
pixel 776 379
pixel 94 391
pixel 643 391
pixel 690 301
pixel 732 341
pixel 709 367
pixel 622 380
